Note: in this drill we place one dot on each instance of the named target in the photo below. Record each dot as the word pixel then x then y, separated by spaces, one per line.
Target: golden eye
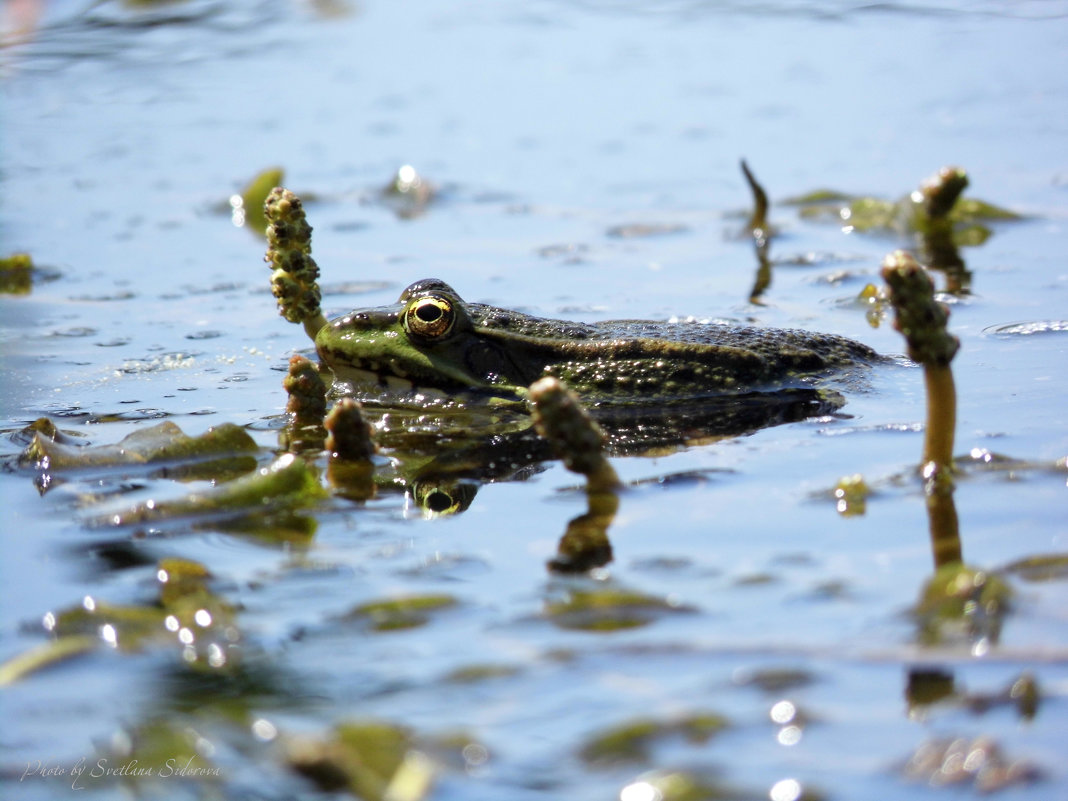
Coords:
pixel 429 317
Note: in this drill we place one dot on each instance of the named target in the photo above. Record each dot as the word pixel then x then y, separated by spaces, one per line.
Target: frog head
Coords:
pixel 427 340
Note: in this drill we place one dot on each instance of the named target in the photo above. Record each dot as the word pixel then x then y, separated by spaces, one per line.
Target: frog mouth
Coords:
pixel 370 374
pixel 374 377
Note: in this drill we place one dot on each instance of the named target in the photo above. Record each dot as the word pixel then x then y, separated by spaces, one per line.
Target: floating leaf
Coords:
pixel 970 209
pixel 1047 567
pixel 365 758
pixel 776 680
pixel 608 609
pixel 631 741
pixel 408 193
pixel 16 274
pixel 247 207
pixel 288 483
pixel 473 674
pixel 962 599
pixel 818 196
pixel 164 442
pixel 159 751
pixel 187 614
pixel 402 613
pixel 642 230
pixel 935 208
pixel 851 495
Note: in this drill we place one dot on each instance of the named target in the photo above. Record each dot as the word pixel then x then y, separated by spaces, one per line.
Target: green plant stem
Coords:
pixel 944 527
pixel 314 325
pixel 758 221
pixel 923 323
pixel 941 423
pixel 560 417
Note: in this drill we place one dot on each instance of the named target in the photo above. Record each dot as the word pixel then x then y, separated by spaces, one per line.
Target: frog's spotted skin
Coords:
pixel 432 340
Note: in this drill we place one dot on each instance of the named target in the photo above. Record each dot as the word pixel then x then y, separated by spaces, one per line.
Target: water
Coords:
pixel 545 125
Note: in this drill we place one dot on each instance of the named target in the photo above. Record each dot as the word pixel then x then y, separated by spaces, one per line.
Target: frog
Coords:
pixel 431 343
pixel 445 382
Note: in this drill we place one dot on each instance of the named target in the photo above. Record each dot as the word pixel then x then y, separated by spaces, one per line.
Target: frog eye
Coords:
pixel 430 317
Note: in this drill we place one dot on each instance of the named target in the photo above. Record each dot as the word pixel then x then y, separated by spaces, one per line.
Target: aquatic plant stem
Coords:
pixel 350 447
pixel 585 544
pixel 48 653
pixel 305 407
pixel 760 230
pixel 939 193
pixel 561 419
pixel 937 468
pixel 940 428
pixel 305 391
pixel 758 221
pixel 942 520
pixel 922 321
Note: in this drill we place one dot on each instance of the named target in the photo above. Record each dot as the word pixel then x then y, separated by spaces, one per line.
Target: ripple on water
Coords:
pixel 446 566
pixel 75 332
pixel 162 362
pixel 106 297
pixel 1028 328
pixel 111 31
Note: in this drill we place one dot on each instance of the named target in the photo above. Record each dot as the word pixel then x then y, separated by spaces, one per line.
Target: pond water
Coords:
pixel 770 647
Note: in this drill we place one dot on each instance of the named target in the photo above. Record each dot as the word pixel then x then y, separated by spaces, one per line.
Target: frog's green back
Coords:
pixel 638 361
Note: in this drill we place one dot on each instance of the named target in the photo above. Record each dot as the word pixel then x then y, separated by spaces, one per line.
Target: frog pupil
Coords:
pixel 428 312
pixel 438 501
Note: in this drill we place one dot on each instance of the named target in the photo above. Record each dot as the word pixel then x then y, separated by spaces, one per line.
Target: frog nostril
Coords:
pixel 356 318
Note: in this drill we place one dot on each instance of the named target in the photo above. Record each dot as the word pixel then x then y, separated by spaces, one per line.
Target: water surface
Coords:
pixel 545 125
